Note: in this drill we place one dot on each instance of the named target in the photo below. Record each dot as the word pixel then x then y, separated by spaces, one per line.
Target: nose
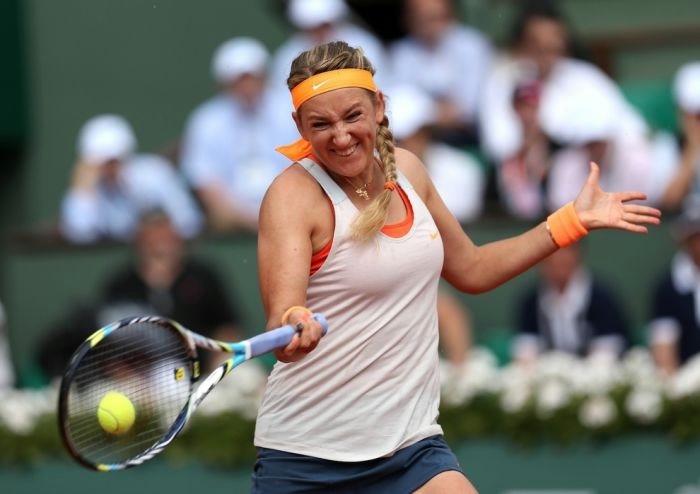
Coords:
pixel 341 136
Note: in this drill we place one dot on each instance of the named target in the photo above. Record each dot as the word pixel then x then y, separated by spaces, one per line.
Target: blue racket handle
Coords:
pixel 279 337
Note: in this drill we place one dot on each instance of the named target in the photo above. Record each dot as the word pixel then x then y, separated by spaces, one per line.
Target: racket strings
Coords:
pixel 148 363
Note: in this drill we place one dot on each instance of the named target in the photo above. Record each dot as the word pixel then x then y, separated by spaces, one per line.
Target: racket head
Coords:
pixel 153 362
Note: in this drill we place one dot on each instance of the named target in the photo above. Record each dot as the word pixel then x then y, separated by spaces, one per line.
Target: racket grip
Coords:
pixel 279 337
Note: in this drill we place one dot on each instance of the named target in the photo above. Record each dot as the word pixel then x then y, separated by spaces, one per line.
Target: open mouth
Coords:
pixel 347 152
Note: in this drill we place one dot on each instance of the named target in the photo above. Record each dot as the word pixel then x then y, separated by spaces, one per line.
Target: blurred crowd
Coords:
pixel 506 129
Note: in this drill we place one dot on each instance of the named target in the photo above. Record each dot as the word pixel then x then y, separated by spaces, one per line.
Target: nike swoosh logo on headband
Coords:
pixel 316 86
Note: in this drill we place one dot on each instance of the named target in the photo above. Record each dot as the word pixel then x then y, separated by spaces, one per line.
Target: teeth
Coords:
pixel 348 152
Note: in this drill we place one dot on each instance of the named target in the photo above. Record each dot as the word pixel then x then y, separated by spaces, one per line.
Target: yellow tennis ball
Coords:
pixel 116 413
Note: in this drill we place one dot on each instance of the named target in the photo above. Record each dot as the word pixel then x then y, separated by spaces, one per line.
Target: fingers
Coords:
pixel 309 333
pixel 594 173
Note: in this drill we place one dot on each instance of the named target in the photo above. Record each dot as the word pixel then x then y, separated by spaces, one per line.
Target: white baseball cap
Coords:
pixel 409 109
pixel 105 137
pixel 686 87
pixel 238 56
pixel 307 14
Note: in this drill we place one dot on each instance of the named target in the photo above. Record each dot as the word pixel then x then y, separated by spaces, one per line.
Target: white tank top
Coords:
pixel 372 385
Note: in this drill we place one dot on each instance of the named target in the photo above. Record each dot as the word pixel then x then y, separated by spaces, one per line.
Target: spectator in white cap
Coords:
pixel 459 178
pixel 457 175
pixel 685 181
pixel 542 48
pixel 227 153
pixel 446 58
pixel 316 22
pixel 587 127
pixel 112 185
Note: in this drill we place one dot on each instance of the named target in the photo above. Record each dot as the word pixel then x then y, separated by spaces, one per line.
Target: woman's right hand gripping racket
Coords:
pixel 131 387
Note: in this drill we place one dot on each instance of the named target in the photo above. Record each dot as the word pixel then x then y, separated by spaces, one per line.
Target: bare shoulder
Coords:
pixel 291 199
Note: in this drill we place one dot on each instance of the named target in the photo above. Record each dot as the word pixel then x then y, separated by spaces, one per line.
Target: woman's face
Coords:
pixel 341 126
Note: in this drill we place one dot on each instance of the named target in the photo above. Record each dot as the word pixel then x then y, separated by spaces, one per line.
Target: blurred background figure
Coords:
pixel 162 277
pixel 457 175
pixel 228 151
pixel 459 179
pixel 446 58
pixel 586 127
pixel 522 178
pixel 541 49
pixel 674 326
pixel 7 373
pixel 316 22
pixel 112 185
pixel 569 309
pixel 684 181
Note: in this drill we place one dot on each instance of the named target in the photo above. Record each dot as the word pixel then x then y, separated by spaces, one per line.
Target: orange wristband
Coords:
pixel 565 227
pixel 289 311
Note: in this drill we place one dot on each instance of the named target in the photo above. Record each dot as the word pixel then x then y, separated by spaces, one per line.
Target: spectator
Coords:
pixel 570 309
pixel 541 50
pixel 448 60
pixel 161 278
pixel 522 178
pixel 316 22
pixel 112 185
pixel 164 279
pixel 458 176
pixel 625 157
pixel 228 151
pixel 460 181
pixel 684 182
pixel 7 374
pixel 674 328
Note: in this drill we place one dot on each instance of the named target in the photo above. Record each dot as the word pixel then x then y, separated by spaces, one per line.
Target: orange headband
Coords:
pixel 328 81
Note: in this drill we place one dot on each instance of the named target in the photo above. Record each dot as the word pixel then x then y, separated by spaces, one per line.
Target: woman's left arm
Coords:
pixel 477 269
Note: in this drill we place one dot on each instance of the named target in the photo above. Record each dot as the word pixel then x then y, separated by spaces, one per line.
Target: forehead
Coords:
pixel 337 101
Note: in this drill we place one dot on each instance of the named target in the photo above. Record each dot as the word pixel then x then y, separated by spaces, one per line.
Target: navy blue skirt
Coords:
pixel 279 472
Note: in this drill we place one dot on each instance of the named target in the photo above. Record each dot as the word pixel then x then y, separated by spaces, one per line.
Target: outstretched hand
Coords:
pixel 597 208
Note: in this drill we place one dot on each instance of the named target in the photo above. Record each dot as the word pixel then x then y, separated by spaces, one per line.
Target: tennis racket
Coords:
pixel 151 364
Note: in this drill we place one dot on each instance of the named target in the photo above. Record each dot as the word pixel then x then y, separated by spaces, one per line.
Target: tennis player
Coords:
pixel 355 229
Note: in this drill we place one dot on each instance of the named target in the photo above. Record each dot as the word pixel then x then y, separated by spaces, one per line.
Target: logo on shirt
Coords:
pixel 433 236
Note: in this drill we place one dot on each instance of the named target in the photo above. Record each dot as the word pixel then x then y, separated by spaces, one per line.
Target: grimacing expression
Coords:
pixel 341 126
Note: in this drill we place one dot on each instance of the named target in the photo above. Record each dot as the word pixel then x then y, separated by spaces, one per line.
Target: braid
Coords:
pixel 373 217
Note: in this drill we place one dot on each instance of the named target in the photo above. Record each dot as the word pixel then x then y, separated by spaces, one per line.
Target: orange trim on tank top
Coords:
pixel 395 230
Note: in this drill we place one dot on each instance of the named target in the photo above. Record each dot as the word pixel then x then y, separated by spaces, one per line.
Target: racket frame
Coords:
pixel 241 351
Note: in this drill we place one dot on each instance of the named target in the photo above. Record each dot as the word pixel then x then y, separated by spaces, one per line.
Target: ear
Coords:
pixel 380 107
pixel 297 122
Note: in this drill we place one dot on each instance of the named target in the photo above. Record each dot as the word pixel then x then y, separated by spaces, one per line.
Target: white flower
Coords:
pixel 686 382
pixel 479 374
pixel 239 392
pixel 20 409
pixel 597 411
pixel 551 396
pixel 514 400
pixel 644 404
pixel 516 387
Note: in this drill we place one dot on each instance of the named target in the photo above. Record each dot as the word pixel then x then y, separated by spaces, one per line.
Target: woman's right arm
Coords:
pixel 291 216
